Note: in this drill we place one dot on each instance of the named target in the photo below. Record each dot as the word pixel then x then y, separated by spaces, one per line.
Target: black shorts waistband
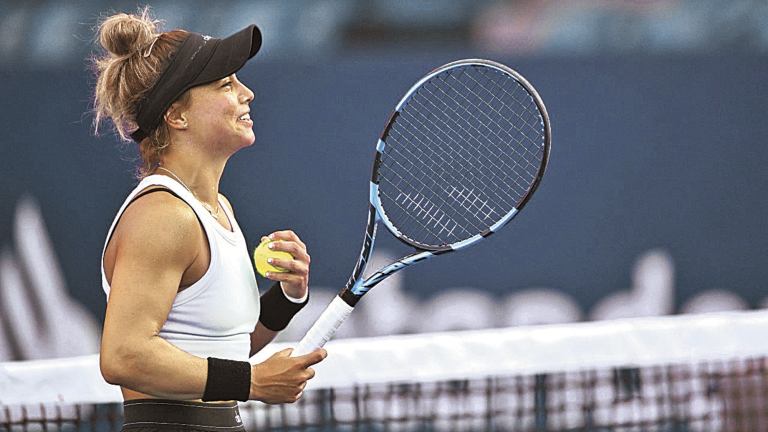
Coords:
pixel 171 414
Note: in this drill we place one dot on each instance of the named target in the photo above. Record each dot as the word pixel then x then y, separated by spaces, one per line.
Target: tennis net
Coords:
pixel 704 372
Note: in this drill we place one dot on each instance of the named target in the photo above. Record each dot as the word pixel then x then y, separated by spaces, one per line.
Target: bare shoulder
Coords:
pixel 159 226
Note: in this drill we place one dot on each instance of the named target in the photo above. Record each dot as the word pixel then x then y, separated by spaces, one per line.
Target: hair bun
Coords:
pixel 124 34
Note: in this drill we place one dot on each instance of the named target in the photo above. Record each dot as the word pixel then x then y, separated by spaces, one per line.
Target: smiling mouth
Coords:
pixel 246 116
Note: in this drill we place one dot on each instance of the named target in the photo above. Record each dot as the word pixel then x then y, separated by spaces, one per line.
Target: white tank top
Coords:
pixel 215 316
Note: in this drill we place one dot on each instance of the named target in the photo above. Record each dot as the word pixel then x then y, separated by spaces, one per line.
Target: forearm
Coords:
pixel 277 310
pixel 154 367
pixel 261 337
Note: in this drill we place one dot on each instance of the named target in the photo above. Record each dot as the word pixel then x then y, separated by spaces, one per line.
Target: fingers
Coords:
pixel 293 265
pixel 296 280
pixel 287 236
pixel 297 277
pixel 313 358
pixel 283 353
pixel 305 360
pixel 288 241
pixel 290 244
pixel 282 378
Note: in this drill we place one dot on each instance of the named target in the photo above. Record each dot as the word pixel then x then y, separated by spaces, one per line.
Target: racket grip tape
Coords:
pixel 324 328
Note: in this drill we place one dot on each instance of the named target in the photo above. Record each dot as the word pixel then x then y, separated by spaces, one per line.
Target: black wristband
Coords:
pixel 227 380
pixel 276 310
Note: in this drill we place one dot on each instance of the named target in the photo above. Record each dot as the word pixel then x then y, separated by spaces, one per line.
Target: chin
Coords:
pixel 250 140
pixel 247 142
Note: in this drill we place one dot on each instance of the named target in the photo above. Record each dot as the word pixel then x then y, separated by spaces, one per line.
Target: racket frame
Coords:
pixel 342 305
pixel 356 287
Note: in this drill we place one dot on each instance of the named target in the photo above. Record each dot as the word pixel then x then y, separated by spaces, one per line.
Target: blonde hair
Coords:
pixel 136 52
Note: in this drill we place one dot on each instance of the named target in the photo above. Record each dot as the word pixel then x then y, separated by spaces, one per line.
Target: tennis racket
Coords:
pixel 461 155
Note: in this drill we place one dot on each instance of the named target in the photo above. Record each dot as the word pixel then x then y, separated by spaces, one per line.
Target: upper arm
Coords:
pixel 156 240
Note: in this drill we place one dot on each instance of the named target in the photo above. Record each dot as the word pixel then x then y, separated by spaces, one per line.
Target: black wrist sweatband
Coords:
pixel 227 380
pixel 276 310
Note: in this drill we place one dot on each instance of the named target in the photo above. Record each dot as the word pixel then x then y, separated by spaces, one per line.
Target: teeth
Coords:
pixel 246 116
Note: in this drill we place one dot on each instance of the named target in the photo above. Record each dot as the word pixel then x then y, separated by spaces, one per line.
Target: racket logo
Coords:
pixel 471 201
pixel 424 210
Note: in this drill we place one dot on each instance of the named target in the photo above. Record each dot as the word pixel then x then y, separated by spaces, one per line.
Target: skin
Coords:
pixel 159 248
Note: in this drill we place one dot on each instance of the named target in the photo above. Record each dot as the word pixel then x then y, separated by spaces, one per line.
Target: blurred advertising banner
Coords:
pixel 653 203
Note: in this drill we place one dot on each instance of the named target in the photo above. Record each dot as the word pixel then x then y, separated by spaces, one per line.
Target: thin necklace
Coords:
pixel 205 205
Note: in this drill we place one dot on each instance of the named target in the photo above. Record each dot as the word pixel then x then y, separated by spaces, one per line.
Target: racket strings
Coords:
pixel 456 199
pixel 458 154
pixel 525 103
pixel 490 162
pixel 485 138
pixel 488 139
pixel 498 169
pixel 449 170
pixel 452 194
pixel 431 217
pixel 472 203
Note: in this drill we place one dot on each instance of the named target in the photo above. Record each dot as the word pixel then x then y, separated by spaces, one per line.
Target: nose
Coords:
pixel 246 94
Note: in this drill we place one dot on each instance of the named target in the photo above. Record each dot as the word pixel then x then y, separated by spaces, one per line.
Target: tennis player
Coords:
pixel 184 312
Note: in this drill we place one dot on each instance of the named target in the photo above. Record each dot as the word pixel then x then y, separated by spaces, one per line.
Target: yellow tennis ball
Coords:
pixel 263 252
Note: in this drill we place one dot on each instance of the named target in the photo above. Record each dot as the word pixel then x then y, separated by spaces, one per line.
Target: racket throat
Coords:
pixel 354 282
pixel 349 297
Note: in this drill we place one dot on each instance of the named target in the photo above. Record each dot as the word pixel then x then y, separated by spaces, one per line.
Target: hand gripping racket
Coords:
pixel 461 154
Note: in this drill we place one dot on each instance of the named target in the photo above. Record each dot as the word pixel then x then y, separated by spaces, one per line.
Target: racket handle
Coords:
pixel 324 328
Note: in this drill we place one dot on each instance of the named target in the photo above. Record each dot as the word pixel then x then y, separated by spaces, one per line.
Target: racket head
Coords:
pixel 462 153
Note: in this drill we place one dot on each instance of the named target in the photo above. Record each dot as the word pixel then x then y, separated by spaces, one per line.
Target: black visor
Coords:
pixel 199 60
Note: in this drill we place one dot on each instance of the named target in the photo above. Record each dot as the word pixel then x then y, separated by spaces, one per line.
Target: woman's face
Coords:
pixel 218 113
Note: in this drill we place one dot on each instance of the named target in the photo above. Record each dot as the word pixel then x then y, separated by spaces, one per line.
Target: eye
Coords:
pixel 227 83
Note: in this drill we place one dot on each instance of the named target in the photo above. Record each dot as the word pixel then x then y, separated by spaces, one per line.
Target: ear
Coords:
pixel 175 117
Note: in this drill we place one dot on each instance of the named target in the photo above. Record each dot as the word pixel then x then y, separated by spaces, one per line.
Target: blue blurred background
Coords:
pixel 654 202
